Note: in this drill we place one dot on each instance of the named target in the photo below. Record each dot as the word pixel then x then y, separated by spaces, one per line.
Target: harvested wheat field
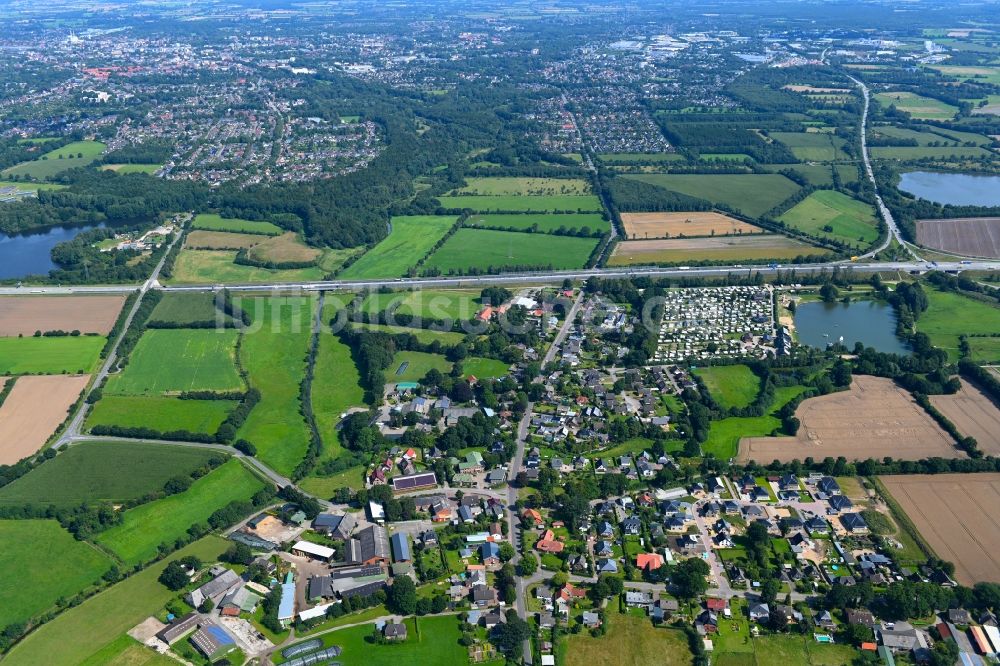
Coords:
pixel 969 236
pixel 874 419
pixel 23 315
pixel 974 414
pixel 221 240
pixel 956 515
pixel 746 247
pixel 694 223
pixel 34 409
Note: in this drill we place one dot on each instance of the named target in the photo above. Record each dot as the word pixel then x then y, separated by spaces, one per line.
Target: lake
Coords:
pixel 870 322
pixel 31 253
pixel 959 189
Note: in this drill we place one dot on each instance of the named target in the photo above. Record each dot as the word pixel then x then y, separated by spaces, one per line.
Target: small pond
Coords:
pixel 31 253
pixel 871 322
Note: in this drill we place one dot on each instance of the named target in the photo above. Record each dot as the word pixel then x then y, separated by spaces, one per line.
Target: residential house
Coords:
pixel 760 612
pixel 394 632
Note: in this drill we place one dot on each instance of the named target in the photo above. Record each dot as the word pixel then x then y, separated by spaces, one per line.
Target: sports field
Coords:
pixel 44 563
pixel 33 411
pixel 23 315
pixel 629 641
pixel 919 107
pixel 687 224
pixel 950 315
pixel 730 385
pixel 54 162
pixel 565 203
pixel 146 526
pixel 160 413
pixel 274 355
pixel 756 247
pixel 753 194
pixel 174 360
pixel 412 237
pixel 86 629
pixel 831 214
pixel 90 472
pixel 50 356
pixel 213 222
pixel 545 223
pixel 217 267
pixel 524 186
pixel 955 514
pixel 485 249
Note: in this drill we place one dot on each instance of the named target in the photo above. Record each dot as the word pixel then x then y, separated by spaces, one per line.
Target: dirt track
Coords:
pixel 639 226
pixel 956 514
pixel 23 315
pixel 34 409
pixel 970 236
pixel 874 419
pixel 974 414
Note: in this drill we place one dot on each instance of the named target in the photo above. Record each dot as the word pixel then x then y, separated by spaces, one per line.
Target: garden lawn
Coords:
pixel 484 368
pixel 949 315
pixel 724 435
pixel 629 641
pixel 753 194
pixel 274 355
pixel 563 203
pixel 50 356
pixel 212 222
pixel 489 250
pixel 161 413
pixel 145 527
pixel 335 387
pixel 54 162
pixel 90 472
pixel 544 223
pixel 412 237
pixel 174 360
pixel 326 486
pixel 849 220
pixel 730 385
pixel 90 627
pixel 435 643
pixel 417 365
pixel 43 562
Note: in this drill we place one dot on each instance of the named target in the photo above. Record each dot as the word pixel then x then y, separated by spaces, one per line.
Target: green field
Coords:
pixel 56 161
pixel 919 107
pixel 976 74
pixel 103 471
pixel 185 308
pixel 144 528
pixel 483 249
pixel 905 153
pixel 213 222
pixel 572 203
pixel 460 304
pixel 540 223
pixel 335 387
pixel 484 368
pixel 625 158
pixel 326 486
pixel 160 413
pixel 132 168
pixel 92 626
pixel 753 194
pixel 629 641
pixel 217 267
pixel 30 187
pixel 929 134
pixel 274 356
pixel 50 356
pixel 126 651
pixel 173 360
pixel 812 146
pixel 730 385
pixel 831 214
pixel 412 237
pixel 423 335
pixel 43 563
pixel 524 186
pixel 950 315
pixel 417 365
pixel 724 435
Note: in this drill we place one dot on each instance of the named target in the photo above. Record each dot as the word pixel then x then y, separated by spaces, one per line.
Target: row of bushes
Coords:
pixel 967 444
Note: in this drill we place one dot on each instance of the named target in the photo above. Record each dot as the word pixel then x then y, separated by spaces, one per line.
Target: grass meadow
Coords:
pixel 43 563
pixel 460 304
pixel 724 435
pixel 162 413
pixel 752 194
pixel 567 203
pixel 92 626
pixel 544 223
pixel 730 385
pixel 136 539
pixel 103 472
pixel 481 249
pixel 170 360
pixel 950 315
pixel 50 356
pixel 630 641
pixel 848 219
pixel 185 308
pixel 412 237
pixel 213 222
pixel 54 162
pixel 217 267
pixel 919 107
pixel 274 355
pixel 336 387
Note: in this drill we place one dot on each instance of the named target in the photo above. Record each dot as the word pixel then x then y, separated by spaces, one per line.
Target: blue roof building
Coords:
pixel 286 609
pixel 400 547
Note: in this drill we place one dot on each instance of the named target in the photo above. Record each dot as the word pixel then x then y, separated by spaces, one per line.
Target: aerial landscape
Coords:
pixel 550 333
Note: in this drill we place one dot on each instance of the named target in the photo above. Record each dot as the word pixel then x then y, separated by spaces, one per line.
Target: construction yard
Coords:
pixel 874 419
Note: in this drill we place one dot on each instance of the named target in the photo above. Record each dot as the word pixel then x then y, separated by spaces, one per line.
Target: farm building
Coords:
pixel 213 641
pixel 411 482
pixel 400 547
pixel 339 526
pixel 224 581
pixel 369 546
pixel 286 609
pixel 313 550
pixel 179 628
